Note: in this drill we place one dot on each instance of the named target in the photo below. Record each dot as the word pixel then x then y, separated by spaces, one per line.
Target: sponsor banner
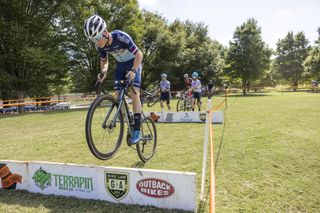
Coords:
pixel 185 117
pixel 163 189
pixel 159 188
pixel 63 179
pixel 13 175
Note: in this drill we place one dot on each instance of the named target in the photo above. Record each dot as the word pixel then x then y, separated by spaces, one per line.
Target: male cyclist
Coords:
pixel 197 92
pixel 187 83
pixel 210 88
pixel 128 61
pixel 164 91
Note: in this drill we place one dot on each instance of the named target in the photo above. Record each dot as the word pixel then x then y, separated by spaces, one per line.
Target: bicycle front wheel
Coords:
pixel 103 135
pixel 181 105
pixel 148 139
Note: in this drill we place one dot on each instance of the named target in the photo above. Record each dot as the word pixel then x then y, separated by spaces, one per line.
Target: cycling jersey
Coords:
pixel 196 84
pixel 123 48
pixel 188 82
pixel 164 85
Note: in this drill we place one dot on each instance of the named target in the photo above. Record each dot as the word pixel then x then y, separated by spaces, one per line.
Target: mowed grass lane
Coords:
pixel 268 158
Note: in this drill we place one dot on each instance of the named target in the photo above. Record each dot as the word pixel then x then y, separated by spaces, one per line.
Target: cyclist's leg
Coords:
pixel 161 101
pixel 168 101
pixel 199 101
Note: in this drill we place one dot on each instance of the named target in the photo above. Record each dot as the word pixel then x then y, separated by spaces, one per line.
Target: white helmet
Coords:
pixel 185 76
pixel 94 28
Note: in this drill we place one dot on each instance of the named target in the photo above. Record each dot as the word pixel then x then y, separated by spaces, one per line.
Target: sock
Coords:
pixel 137 121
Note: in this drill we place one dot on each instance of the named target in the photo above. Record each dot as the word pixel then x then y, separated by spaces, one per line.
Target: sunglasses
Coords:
pixel 96 38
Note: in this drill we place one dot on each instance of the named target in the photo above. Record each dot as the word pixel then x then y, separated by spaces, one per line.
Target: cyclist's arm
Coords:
pixel 104 65
pixel 137 59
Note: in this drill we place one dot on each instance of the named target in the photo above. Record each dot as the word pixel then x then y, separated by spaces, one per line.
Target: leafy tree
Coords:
pixel 312 62
pixel 248 56
pixel 84 58
pixel 31 58
pixel 291 53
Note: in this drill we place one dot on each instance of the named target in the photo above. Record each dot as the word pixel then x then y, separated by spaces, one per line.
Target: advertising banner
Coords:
pixel 184 117
pixel 159 188
pixel 14 175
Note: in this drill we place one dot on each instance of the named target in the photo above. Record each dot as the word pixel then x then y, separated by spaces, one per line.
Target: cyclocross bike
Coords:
pixel 184 103
pixel 105 122
pixel 151 97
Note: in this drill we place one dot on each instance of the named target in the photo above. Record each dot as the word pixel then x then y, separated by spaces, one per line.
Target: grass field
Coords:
pixel 267 155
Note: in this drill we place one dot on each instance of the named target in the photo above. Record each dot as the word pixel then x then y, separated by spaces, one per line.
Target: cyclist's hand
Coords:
pixel 131 74
pixel 101 77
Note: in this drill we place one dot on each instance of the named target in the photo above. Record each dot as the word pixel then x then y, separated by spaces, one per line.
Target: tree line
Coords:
pixel 43 50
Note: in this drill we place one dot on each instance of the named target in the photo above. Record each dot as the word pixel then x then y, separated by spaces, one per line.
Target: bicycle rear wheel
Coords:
pixel 152 101
pixel 148 142
pixel 103 137
pixel 181 105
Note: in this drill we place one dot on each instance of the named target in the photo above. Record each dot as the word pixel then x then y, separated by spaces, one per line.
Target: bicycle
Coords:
pixel 151 97
pixel 184 103
pixel 107 116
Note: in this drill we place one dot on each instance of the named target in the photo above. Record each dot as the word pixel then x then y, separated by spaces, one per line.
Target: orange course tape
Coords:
pixel 212 174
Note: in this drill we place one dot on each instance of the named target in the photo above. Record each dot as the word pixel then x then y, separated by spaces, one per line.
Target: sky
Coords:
pixel 275 17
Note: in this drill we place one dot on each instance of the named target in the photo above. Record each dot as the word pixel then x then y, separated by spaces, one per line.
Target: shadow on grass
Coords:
pixel 250 95
pixel 37 202
pixel 138 164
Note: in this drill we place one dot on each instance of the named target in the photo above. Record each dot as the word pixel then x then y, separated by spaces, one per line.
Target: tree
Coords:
pixel 31 58
pixel 84 58
pixel 248 56
pixel 312 62
pixel 290 55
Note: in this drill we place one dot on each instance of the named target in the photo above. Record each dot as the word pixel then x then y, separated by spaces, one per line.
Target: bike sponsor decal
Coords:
pixel 155 188
pixel 202 116
pixel 169 117
pixel 8 180
pixel 154 117
pixel 117 184
pixel 186 118
pixel 44 179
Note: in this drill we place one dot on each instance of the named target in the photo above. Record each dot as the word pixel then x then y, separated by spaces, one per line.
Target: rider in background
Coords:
pixel 210 88
pixel 197 93
pixel 187 83
pixel 164 92
pixel 128 61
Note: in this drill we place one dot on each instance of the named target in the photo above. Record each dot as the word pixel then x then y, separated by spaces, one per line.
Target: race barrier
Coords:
pixel 159 188
pixel 185 117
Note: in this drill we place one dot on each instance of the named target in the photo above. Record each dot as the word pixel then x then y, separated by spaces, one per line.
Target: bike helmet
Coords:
pixel 210 81
pixel 195 75
pixel 185 76
pixel 163 75
pixel 94 27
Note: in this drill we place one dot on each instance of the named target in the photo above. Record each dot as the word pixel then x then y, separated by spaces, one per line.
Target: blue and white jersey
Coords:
pixel 122 48
pixel 196 85
pixel 165 85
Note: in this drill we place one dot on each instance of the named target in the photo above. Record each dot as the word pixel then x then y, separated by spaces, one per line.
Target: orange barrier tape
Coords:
pixel 29 103
pixel 212 175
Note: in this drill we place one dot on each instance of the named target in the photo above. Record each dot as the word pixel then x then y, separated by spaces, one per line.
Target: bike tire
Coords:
pixel 181 105
pixel 89 136
pixel 152 101
pixel 148 136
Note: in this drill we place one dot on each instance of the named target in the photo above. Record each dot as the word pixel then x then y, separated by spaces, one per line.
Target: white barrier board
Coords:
pixel 162 189
pixel 185 117
pixel 14 175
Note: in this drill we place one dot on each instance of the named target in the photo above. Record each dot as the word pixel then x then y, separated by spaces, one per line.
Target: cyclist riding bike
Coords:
pixel 188 82
pixel 197 92
pixel 128 61
pixel 164 91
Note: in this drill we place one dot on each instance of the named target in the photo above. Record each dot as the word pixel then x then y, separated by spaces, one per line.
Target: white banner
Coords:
pixel 163 189
pixel 14 175
pixel 185 117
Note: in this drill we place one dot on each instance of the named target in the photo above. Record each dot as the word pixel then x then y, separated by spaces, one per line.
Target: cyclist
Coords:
pixel 210 88
pixel 188 82
pixel 164 91
pixel 128 61
pixel 197 93
pixel 314 85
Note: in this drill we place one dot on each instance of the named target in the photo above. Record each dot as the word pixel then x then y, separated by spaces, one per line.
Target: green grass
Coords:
pixel 267 155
